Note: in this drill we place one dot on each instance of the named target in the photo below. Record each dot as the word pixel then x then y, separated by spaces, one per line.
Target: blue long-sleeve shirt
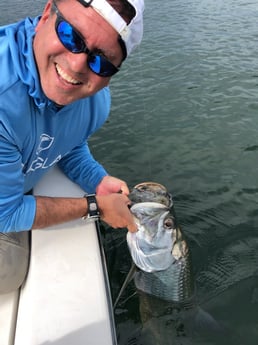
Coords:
pixel 35 134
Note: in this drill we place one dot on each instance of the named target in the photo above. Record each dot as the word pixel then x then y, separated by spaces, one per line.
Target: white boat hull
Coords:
pixel 65 299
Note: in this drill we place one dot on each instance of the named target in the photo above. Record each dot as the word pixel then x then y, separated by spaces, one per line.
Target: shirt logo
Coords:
pixel 42 159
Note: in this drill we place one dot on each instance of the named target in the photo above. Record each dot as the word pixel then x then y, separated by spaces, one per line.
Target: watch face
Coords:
pixel 93 206
pixel 93 211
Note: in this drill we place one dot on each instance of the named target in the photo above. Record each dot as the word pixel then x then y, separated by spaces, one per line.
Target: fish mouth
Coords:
pixel 148 204
pixel 151 185
pixel 151 191
pixel 148 209
pixel 151 245
pixel 160 261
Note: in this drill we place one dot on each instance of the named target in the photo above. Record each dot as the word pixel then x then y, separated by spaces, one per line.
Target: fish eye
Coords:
pixel 168 223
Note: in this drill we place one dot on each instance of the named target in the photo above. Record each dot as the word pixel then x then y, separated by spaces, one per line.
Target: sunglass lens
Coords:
pixel 101 66
pixel 70 39
pixel 94 62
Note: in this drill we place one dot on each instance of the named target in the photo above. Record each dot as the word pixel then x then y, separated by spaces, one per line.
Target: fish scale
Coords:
pixel 173 284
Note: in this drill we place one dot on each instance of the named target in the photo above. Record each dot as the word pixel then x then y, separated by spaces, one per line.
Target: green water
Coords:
pixel 184 114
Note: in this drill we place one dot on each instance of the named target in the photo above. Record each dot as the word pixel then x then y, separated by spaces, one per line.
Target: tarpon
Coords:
pixel 163 278
pixel 161 253
pixel 158 247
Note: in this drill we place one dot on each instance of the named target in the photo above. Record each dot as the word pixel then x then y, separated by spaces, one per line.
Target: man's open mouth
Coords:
pixel 66 77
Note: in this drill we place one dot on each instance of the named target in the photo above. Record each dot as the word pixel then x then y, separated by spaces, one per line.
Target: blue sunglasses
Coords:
pixel 73 41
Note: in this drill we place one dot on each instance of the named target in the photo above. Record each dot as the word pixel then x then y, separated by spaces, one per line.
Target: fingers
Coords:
pixel 115 211
pixel 132 227
pixel 124 189
pixel 130 223
pixel 129 219
pixel 110 184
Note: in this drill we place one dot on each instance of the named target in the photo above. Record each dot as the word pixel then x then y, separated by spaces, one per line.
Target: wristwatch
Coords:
pixel 93 210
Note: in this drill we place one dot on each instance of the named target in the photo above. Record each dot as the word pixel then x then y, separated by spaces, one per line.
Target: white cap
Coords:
pixel 132 33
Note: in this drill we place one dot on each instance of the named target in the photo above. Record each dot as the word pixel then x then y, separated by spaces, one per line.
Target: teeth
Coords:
pixel 66 77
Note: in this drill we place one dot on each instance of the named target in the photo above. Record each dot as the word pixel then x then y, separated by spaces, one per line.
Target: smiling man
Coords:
pixel 53 96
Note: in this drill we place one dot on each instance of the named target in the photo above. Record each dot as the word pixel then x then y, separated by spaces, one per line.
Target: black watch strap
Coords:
pixel 93 210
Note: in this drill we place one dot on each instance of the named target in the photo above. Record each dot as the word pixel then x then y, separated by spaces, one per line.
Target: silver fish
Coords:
pixel 161 253
pixel 163 278
pixel 158 247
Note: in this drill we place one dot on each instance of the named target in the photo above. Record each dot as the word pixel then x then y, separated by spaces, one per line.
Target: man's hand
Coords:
pixel 114 211
pixel 113 203
pixel 110 184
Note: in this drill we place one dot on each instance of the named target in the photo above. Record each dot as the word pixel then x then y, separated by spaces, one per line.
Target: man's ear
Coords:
pixel 45 15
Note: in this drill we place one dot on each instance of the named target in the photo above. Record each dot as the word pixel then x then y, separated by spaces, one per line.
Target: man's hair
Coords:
pixel 123 7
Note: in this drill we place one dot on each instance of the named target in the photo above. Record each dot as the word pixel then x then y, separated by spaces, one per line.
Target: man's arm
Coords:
pixel 20 212
pixel 54 210
pixel 113 210
pixel 80 166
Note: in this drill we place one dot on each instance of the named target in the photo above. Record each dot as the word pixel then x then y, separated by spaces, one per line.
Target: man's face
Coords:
pixel 65 77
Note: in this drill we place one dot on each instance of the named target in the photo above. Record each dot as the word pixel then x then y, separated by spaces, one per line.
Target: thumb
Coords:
pixel 132 227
